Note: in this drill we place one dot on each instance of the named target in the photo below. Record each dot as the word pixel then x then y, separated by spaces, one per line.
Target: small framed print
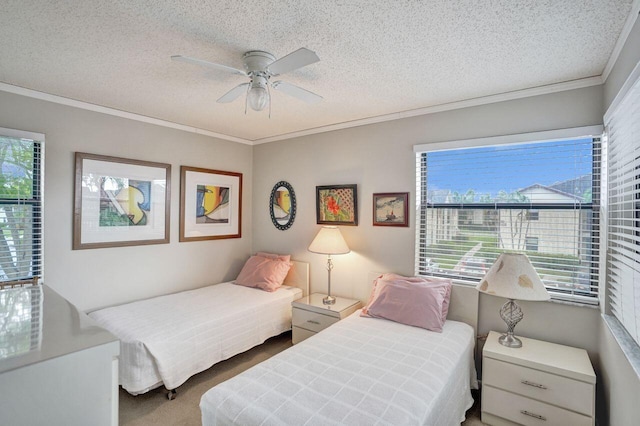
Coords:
pixel 210 204
pixel 120 202
pixel 337 205
pixel 391 209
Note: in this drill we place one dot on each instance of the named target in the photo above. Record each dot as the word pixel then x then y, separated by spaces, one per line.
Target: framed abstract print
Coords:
pixel 120 202
pixel 210 204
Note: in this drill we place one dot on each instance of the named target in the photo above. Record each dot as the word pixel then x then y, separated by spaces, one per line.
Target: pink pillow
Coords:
pixel 443 283
pixel 263 273
pixel 285 257
pixel 410 303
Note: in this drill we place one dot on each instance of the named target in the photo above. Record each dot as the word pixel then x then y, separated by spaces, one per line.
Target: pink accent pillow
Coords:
pixel 411 303
pixel 263 273
pixel 442 285
pixel 284 257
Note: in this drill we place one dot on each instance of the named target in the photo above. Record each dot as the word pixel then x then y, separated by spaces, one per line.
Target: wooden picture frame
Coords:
pixel 210 204
pixel 120 202
pixel 337 205
pixel 391 209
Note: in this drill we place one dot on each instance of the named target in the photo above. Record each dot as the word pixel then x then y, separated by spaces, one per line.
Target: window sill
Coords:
pixel 629 347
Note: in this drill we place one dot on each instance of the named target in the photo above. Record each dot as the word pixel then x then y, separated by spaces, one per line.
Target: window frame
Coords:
pixel 544 136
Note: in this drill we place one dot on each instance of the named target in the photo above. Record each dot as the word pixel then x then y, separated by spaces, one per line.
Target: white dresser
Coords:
pixel 310 315
pixel 538 384
pixel 57 366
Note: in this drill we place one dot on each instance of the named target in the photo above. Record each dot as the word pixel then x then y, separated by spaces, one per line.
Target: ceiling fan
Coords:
pixel 260 66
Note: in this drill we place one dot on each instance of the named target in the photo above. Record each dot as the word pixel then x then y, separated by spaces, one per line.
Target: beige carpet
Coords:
pixel 153 408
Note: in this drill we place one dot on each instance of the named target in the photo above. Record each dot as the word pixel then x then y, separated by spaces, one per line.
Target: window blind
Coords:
pixel 538 198
pixel 623 204
pixel 20 207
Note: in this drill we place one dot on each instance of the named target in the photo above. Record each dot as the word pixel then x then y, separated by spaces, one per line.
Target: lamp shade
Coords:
pixel 513 277
pixel 329 241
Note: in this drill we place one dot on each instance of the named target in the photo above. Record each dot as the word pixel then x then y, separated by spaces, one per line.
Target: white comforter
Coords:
pixel 167 339
pixel 359 371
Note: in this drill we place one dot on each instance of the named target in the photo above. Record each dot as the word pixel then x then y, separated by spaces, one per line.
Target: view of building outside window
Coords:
pixel 534 198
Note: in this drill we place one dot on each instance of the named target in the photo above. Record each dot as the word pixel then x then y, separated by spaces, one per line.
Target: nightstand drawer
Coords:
pixel 312 321
pixel 525 411
pixel 562 391
pixel 300 334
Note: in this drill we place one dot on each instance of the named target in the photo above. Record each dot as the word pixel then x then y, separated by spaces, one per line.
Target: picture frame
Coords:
pixel 210 204
pixel 337 205
pixel 120 202
pixel 391 209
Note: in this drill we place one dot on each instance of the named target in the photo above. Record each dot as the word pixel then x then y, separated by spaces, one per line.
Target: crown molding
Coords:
pixel 507 96
pixel 115 112
pixel 484 100
pixel 622 39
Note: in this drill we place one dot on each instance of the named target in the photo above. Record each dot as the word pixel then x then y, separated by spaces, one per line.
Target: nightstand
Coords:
pixel 310 315
pixel 539 383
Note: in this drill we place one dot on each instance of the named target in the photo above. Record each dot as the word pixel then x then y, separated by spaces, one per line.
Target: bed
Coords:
pixel 167 339
pixel 360 370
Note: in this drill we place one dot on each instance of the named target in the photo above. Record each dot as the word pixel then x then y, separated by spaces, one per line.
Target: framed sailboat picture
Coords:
pixel 391 209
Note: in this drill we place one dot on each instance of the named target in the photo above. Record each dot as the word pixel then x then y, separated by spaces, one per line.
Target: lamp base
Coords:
pixel 329 300
pixel 511 314
pixel 510 341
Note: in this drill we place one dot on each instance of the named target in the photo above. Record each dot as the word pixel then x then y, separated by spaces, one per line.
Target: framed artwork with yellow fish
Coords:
pixel 120 202
pixel 210 204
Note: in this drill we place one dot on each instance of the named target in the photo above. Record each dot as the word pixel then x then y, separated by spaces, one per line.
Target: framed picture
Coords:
pixel 120 202
pixel 337 205
pixel 210 204
pixel 391 209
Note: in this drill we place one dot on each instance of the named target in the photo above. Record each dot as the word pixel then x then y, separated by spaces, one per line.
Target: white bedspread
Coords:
pixel 359 371
pixel 168 339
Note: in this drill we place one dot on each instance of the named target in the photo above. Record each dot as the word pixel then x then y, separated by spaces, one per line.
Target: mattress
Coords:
pixel 360 370
pixel 167 339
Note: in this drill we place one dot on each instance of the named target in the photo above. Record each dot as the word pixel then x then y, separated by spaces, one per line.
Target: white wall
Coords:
pixel 102 277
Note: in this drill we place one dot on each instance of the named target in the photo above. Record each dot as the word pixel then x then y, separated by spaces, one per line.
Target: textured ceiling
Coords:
pixel 378 57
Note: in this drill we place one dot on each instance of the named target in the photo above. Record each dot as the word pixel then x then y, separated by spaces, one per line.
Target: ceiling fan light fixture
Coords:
pixel 258 98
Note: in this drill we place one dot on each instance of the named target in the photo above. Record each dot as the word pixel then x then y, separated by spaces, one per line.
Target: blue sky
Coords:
pixel 509 167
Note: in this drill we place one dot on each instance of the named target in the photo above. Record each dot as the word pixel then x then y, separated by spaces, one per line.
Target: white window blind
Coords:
pixel 623 203
pixel 538 198
pixel 20 206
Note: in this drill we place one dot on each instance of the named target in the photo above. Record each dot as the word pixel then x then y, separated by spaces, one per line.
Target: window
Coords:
pixel 531 243
pixel 20 205
pixel 538 198
pixel 623 204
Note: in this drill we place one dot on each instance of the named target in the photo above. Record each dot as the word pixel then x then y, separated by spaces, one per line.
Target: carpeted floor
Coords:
pixel 153 408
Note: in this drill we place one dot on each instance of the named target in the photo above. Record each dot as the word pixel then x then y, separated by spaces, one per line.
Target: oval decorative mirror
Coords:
pixel 282 205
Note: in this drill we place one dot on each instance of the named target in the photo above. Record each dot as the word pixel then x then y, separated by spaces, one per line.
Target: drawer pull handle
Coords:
pixel 313 322
pixel 535 416
pixel 535 385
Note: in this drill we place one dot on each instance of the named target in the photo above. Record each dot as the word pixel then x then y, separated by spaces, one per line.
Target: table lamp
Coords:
pixel 513 277
pixel 329 241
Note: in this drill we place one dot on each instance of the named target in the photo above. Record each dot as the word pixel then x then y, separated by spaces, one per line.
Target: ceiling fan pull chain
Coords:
pixel 269 92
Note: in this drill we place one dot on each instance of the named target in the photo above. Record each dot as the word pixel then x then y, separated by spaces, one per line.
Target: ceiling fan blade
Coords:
pixel 294 60
pixel 233 94
pixel 297 92
pixel 207 64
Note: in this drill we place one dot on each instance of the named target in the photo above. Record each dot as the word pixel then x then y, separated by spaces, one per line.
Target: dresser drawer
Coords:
pixel 300 334
pixel 526 411
pixel 557 390
pixel 312 321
